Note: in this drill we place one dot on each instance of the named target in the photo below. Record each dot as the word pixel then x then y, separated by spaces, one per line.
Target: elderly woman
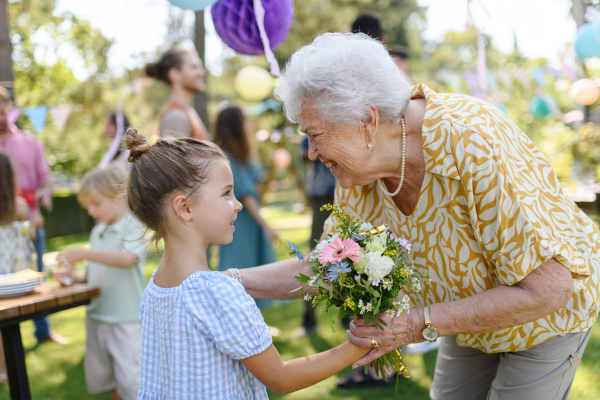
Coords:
pixel 514 263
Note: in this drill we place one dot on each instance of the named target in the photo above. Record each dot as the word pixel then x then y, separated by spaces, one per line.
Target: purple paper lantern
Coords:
pixel 235 22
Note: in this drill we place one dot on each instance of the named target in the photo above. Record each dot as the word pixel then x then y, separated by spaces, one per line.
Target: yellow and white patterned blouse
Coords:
pixel 490 211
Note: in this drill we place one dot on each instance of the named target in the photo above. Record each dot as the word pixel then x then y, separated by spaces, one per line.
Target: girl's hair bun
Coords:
pixel 136 143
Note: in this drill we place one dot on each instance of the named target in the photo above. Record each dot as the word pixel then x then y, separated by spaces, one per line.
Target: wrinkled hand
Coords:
pixel 400 331
pixel 68 258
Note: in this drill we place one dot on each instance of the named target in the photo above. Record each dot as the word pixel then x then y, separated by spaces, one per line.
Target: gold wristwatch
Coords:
pixel 430 332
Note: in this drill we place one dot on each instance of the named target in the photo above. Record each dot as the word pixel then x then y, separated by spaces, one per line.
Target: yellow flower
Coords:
pixel 349 303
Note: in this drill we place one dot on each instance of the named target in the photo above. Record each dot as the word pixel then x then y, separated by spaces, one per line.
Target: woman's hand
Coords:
pixel 401 330
pixel 271 234
pixel 68 258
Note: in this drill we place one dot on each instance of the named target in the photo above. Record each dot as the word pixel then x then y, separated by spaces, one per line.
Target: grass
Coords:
pixel 56 372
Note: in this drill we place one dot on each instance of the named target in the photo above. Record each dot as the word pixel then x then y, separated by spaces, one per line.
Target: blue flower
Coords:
pixel 295 252
pixel 357 237
pixel 337 271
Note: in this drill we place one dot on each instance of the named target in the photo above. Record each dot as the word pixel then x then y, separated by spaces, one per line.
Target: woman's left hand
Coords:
pixel 400 331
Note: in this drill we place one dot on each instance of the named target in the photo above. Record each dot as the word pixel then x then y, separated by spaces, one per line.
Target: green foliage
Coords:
pixel 40 38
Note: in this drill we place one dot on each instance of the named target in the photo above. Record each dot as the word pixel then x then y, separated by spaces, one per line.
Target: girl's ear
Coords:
pixel 181 207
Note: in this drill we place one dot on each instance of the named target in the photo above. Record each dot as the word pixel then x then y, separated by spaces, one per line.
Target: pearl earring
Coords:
pixel 370 145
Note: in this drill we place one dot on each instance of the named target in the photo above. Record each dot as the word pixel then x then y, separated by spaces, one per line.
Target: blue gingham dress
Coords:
pixel 194 336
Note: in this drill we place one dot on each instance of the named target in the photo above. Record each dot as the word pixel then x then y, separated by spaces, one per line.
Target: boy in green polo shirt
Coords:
pixel 115 263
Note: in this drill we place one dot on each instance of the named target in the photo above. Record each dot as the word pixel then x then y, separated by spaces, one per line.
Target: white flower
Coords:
pixel 378 266
pixel 397 304
pixel 360 303
pixel 375 282
pixel 362 310
pixel 387 284
pixel 308 297
pixel 369 307
pixel 360 266
pixel 415 285
pixel 312 258
pixel 405 305
pixel 390 313
pixel 375 245
pixel 313 280
pixel 365 226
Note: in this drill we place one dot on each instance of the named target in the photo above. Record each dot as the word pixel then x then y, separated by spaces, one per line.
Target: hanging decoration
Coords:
pixel 196 5
pixel 254 27
pixel 14 114
pixel 541 107
pixel 37 116
pixel 584 92
pixel 253 83
pixel 586 45
pixel 60 115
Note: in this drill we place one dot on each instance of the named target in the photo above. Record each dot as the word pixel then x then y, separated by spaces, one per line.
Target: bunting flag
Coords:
pixel 492 81
pixel 539 76
pixel 14 115
pixel 522 76
pixel 37 116
pixel 60 115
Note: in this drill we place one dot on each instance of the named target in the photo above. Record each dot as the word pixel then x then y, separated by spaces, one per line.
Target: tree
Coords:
pixel 43 40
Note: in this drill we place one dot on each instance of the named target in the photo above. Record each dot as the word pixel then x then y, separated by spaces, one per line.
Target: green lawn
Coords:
pixel 56 372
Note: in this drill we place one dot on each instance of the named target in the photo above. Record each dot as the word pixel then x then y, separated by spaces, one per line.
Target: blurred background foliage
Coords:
pixel 44 40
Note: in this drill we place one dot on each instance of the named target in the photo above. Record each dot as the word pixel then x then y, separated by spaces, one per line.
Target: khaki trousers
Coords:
pixel 543 372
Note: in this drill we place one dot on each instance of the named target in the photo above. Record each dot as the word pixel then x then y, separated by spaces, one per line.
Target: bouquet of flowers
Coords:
pixel 361 270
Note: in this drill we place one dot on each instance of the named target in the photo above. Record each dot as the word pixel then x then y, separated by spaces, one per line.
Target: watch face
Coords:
pixel 430 333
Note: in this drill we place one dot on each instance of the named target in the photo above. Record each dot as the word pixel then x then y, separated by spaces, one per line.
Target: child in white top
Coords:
pixel 115 263
pixel 203 336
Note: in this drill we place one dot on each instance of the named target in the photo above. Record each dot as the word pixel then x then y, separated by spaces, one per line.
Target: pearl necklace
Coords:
pixel 381 185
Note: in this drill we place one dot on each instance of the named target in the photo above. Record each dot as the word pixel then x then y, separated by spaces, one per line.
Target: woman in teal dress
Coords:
pixel 251 245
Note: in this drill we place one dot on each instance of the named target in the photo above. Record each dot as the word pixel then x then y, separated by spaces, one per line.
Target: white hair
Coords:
pixel 343 75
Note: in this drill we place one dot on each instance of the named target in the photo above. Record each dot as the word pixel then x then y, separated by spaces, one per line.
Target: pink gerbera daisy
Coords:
pixel 339 249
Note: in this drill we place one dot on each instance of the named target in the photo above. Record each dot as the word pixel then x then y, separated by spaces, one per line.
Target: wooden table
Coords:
pixel 45 300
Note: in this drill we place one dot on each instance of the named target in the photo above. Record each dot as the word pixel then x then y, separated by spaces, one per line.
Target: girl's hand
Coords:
pixel 68 258
pixel 401 330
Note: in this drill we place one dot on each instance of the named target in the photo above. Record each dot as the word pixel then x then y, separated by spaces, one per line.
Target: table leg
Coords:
pixel 15 363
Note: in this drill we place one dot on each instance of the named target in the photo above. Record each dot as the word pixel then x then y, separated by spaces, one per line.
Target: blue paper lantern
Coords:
pixel 586 45
pixel 541 107
pixel 196 5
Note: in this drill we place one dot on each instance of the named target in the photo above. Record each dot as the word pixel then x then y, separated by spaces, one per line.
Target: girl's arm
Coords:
pixel 120 259
pixel 288 376
pixel 251 205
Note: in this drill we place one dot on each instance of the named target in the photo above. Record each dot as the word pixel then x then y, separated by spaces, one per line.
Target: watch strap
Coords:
pixel 426 315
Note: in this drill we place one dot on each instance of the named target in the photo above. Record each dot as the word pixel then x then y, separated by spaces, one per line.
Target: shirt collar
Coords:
pixel 118 226
pixel 437 130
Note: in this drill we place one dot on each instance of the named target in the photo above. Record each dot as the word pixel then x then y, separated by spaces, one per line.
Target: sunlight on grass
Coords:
pixel 56 372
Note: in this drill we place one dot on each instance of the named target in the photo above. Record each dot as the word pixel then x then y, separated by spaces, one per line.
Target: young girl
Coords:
pixel 14 250
pixel 202 335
